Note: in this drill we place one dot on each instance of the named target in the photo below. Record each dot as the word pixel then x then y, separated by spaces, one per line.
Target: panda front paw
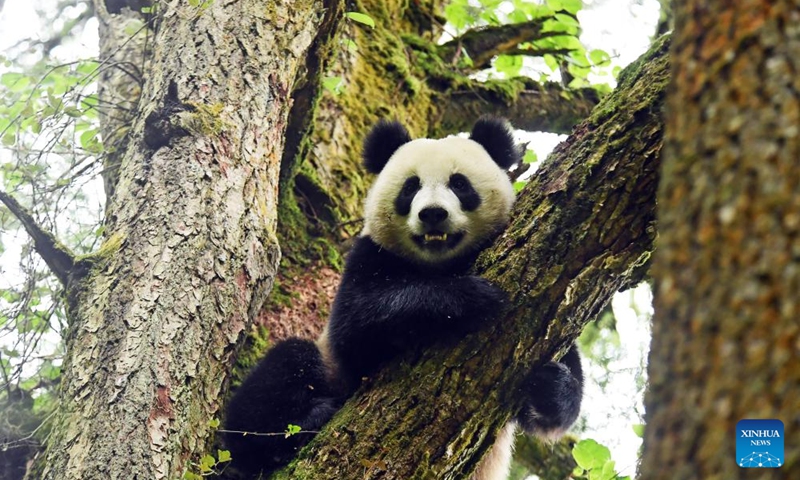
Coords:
pixel 484 298
pixel 552 400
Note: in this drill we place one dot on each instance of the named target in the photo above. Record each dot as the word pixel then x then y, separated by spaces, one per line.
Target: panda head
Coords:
pixel 437 200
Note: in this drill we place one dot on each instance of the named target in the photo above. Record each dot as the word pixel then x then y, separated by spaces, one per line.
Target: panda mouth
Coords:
pixel 438 241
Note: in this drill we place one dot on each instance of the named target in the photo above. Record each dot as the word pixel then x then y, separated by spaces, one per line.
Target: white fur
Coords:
pixel 495 465
pixel 434 161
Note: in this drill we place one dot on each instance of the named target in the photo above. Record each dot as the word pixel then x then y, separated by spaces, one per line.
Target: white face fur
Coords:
pixel 434 163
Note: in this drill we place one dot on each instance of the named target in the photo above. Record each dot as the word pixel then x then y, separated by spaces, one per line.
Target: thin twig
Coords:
pixel 57 256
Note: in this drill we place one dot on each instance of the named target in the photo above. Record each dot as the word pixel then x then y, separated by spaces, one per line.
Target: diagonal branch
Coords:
pixel 579 230
pixel 485 43
pixel 57 257
pixel 528 104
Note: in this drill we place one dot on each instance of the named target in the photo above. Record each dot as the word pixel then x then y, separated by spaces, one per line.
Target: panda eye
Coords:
pixel 410 186
pixel 458 183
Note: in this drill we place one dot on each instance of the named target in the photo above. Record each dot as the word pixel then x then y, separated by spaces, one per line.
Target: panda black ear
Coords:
pixel 495 136
pixel 383 140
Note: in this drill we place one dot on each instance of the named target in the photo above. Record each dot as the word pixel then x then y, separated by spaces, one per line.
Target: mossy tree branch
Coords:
pixel 485 43
pixel 528 104
pixel 580 228
pixel 58 257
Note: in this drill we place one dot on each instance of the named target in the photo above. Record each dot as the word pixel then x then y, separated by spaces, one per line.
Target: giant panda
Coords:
pixel 434 205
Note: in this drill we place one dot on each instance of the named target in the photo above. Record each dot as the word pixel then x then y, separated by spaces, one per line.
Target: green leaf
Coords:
pixel 361 18
pixel 599 57
pixel 589 454
pixel 332 84
pixel 223 456
pixel 13 79
pixel 551 62
pixel 567 19
pixel 638 429
pixel 458 13
pixel 73 112
pixel 555 4
pixel 189 475
pixel 530 157
pixel 207 463
pixel 87 67
pixel 554 25
pixel 607 472
pixel 9 139
pixel 509 65
pixel 572 6
pixel 89 141
pixel 214 422
pixel 292 430
pixel 519 185
pixel 351 45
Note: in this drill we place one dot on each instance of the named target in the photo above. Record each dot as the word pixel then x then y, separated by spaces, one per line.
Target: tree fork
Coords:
pixel 59 259
pixel 580 228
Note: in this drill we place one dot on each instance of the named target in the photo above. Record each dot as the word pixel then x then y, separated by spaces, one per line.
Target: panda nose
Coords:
pixel 432 216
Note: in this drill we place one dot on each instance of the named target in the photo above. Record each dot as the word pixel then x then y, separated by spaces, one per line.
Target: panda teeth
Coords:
pixel 431 237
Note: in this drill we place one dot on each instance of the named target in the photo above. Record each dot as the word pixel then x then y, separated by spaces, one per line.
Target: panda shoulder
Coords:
pixel 367 258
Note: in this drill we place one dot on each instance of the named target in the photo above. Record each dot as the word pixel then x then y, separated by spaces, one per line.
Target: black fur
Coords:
pixel 552 395
pixel 495 136
pixel 462 187
pixel 288 386
pixel 386 305
pixel 383 140
pixel 402 203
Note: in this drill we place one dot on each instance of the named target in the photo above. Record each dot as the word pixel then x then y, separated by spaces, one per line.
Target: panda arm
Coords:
pixel 384 305
pixel 287 386
pixel 379 287
pixel 551 396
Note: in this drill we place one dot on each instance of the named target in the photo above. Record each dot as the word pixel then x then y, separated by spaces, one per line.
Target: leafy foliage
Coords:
pixel 594 462
pixel 50 159
pixel 558 47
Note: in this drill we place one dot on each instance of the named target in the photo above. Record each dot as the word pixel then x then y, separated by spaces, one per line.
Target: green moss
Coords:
pixel 111 246
pixel 204 120
pixel 423 471
pixel 255 344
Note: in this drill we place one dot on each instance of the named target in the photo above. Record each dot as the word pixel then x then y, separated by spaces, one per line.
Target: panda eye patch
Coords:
pixel 410 186
pixel 402 204
pixel 461 186
pixel 458 182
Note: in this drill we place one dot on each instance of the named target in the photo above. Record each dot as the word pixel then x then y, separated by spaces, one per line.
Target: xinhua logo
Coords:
pixel 759 443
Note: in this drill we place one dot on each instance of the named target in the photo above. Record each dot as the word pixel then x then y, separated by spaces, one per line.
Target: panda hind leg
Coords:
pixel 288 387
pixel 552 397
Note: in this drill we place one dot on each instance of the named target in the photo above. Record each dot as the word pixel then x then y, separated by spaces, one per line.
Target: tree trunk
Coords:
pixel 191 250
pixel 726 341
pixel 580 230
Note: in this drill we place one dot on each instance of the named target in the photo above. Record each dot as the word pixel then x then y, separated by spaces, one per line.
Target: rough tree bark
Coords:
pixel 579 231
pixel 726 337
pixel 191 250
